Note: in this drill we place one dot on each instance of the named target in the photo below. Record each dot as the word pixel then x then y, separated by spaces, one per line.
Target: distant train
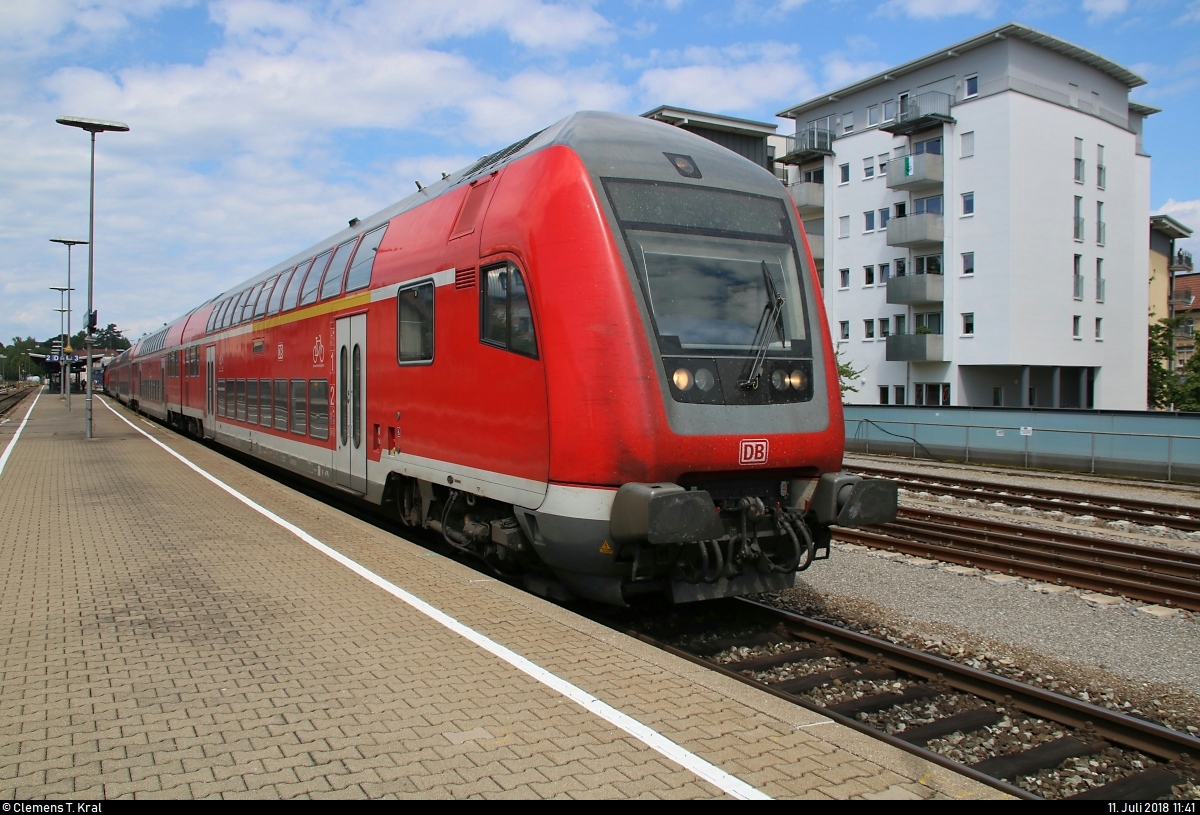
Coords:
pixel 597 360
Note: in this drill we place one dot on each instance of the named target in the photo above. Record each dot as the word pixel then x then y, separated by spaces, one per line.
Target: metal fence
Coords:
pixel 1020 439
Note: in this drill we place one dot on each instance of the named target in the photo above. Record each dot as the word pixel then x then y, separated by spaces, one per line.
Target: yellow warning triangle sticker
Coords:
pixel 605 549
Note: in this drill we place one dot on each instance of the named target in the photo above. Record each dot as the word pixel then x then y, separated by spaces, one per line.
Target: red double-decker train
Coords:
pixel 596 360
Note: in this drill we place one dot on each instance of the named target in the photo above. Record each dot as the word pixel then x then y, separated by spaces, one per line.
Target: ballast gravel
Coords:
pixel 1113 655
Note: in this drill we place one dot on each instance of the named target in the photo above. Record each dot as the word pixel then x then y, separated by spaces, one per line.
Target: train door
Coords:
pixel 210 391
pixel 351 393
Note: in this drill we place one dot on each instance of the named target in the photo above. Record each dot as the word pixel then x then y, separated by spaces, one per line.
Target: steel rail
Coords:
pixel 1115 509
pixel 1159 589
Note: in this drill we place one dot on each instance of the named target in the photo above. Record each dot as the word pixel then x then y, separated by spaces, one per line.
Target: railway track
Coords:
pixel 1150 574
pixel 1150 513
pixel 10 400
pixel 1026 741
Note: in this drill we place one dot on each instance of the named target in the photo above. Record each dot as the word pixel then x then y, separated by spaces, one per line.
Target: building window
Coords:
pixel 928 264
pixel 900 318
pixel 883 217
pixel 1099 280
pixel 968 203
pixel 931 321
pixel 883 161
pixel 1076 323
pixel 1079 168
pixel 899 391
pixel 868 167
pixel 868 329
pixel 848 122
pixel 816 176
pixel 972 86
pixel 844 226
pixel 932 394
pixel 885 327
pixel 901 209
pixel 844 278
pixel 997 397
pixel 932 146
pixel 872 115
pixel 885 272
pixel 931 205
pixel 967 144
pixel 1100 223
pixel 968 263
pixel 1079 218
pixel 868 275
pixel 900 267
pixel 889 110
pixel 1101 170
pixel 869 221
pixel 1099 328
pixel 1077 277
pixel 883 394
pixel 968 324
pixel 844 330
pixel 845 173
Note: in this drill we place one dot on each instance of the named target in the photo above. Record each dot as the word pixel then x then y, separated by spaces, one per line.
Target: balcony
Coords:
pixel 1182 261
pixel 912 289
pixel 1181 298
pixel 808 143
pixel 809 197
pixel 914 347
pixel 916 230
pixel 915 172
pixel 921 112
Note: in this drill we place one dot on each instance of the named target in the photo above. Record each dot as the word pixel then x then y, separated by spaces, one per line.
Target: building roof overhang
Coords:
pixel 713 121
pixel 1031 35
pixel 1169 226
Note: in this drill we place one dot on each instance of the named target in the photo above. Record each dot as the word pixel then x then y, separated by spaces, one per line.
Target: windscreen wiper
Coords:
pixel 769 324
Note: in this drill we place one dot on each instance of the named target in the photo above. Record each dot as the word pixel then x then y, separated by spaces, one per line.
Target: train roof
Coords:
pixel 610 144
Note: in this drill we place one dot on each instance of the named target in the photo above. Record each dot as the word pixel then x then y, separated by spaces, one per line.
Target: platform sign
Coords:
pixel 1026 431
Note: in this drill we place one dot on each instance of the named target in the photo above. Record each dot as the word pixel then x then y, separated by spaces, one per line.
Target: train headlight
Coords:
pixel 797 380
pixel 683 379
pixel 705 379
pixel 779 380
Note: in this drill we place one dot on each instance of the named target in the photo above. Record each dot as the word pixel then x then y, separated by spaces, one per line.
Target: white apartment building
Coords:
pixel 978 216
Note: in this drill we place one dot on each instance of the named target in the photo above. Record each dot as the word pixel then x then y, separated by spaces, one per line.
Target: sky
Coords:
pixel 258 128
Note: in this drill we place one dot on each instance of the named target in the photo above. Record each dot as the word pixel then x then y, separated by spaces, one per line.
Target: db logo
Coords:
pixel 752 451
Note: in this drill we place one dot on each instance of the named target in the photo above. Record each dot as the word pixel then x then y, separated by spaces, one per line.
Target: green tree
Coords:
pixel 847 373
pixel 1161 381
pixel 1187 386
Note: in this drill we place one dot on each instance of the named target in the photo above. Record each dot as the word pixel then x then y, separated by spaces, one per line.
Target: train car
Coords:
pixel 596 360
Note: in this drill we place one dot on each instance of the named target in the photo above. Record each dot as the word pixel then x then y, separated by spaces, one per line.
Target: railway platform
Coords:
pixel 176 625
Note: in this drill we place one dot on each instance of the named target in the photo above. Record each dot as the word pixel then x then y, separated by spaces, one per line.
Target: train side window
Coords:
pixel 281 404
pixel 299 407
pixel 248 304
pixel 221 398
pixel 252 401
pixel 260 310
pixel 332 286
pixel 264 395
pixel 276 301
pixel 219 323
pixel 234 306
pixel 359 274
pixel 240 390
pixel 507 320
pixel 414 328
pixel 293 289
pixel 312 283
pixel 318 408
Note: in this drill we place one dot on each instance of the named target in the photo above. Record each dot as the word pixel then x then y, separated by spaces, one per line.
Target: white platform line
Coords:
pixel 13 441
pixel 654 740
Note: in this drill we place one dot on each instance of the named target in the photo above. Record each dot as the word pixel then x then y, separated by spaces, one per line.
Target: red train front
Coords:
pixel 596 360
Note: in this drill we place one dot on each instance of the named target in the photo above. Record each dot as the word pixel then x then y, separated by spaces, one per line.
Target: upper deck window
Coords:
pixel 312 283
pixel 358 276
pixel 277 295
pixel 293 289
pixel 332 286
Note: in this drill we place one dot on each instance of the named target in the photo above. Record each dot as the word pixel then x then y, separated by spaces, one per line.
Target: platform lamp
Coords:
pixel 92 126
pixel 67 242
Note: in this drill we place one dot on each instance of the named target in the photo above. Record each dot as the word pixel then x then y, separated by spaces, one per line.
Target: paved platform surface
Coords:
pixel 161 639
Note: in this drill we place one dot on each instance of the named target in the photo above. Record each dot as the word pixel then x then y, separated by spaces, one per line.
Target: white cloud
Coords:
pixel 1101 10
pixel 935 9
pixel 1192 14
pixel 733 79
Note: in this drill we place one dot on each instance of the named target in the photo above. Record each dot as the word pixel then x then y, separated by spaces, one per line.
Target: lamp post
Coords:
pixel 63 387
pixel 69 243
pixel 92 126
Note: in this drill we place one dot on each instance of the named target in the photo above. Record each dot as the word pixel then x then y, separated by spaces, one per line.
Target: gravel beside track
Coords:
pixel 1114 655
